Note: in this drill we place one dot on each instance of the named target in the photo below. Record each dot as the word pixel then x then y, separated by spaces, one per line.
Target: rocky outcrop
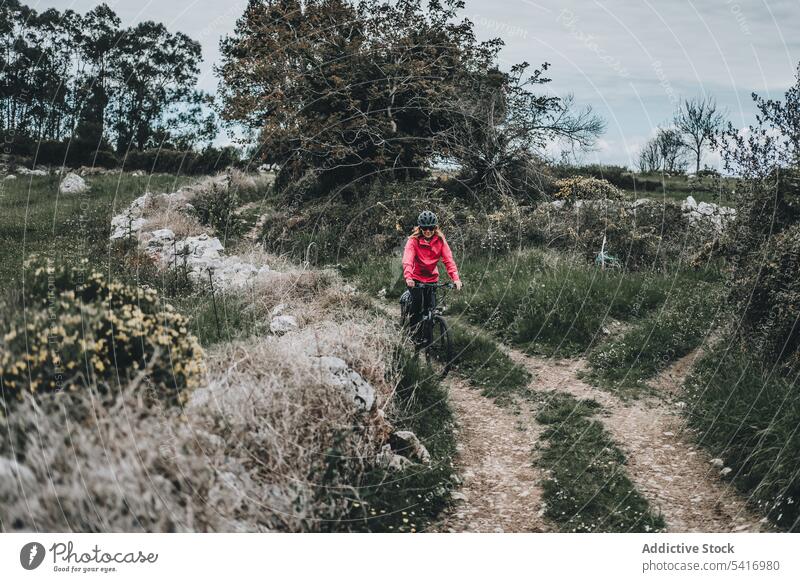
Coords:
pixel 26 172
pixel 282 324
pixel 72 184
pixel 201 256
pixel 707 214
pixel 335 372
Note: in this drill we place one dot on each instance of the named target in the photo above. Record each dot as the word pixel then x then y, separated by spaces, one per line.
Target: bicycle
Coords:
pixel 433 333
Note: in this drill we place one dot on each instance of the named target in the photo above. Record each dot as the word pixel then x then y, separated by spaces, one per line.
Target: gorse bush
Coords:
pixel 581 188
pixel 72 328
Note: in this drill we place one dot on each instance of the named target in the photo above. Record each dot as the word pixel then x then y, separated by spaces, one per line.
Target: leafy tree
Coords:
pixel 353 90
pixel 698 121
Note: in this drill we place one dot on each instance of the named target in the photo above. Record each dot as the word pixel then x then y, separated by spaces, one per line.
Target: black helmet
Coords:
pixel 426 218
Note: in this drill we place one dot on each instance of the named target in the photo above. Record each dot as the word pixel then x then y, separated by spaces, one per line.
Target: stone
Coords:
pixel 72 184
pixel 689 204
pixel 725 472
pixel 406 441
pixel 335 372
pixel 640 202
pixel 27 172
pixel 283 324
pixel 10 177
pixel 558 204
pixel 707 209
pixel 458 496
pixel 387 459
pixel 278 309
pixel 717 462
pixel 137 173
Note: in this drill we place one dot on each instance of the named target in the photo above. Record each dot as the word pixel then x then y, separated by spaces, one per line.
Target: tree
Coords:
pixel 352 90
pixel 698 121
pixel 764 244
pixel 664 153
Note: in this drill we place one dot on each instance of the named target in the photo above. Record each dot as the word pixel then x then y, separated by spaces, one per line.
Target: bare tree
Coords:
pixel 650 158
pixel 698 121
pixel 664 153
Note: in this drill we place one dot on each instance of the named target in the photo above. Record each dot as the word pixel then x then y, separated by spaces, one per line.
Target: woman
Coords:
pixel 424 248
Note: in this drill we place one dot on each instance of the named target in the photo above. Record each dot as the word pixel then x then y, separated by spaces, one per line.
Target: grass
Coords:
pixel 479 359
pixel 35 219
pixel 679 325
pixel 551 304
pixel 587 488
pixel 412 499
pixel 749 415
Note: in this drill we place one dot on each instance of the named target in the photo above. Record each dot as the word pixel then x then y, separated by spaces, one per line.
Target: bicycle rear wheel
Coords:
pixel 440 346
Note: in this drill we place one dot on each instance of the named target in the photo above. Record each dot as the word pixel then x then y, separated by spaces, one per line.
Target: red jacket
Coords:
pixel 420 259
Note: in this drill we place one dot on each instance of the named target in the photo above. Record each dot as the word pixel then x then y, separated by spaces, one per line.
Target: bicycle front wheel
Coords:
pixel 440 346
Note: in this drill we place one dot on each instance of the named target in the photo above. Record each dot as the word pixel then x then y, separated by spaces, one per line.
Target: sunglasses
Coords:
pixel 427 227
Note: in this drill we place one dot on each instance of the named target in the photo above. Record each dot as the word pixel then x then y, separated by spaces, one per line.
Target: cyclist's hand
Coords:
pixel 410 282
pixel 458 285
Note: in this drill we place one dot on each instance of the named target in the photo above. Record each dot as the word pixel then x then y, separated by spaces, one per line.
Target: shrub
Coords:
pixel 580 188
pixel 769 291
pixel 217 208
pixel 77 328
pixel 748 415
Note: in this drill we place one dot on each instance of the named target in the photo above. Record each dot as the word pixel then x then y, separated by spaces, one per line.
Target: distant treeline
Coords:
pixel 80 89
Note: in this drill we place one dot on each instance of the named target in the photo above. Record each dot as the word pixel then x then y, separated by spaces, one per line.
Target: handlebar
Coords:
pixel 437 285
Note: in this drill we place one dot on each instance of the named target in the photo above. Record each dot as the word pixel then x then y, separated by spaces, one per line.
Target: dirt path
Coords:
pixel 675 476
pixel 501 489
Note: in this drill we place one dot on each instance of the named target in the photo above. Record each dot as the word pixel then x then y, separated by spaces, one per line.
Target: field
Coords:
pixel 587 363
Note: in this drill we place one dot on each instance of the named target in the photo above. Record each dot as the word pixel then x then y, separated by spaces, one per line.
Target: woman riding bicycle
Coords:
pixel 424 248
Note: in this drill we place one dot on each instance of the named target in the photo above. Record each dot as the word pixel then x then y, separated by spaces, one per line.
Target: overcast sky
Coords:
pixel 631 60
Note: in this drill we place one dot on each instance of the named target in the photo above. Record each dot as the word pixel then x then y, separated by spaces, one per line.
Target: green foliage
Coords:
pixel 749 416
pixel 679 325
pixel 411 500
pixel 76 328
pixel 550 305
pixel 587 488
pixel 217 208
pixel 480 360
pixel 769 291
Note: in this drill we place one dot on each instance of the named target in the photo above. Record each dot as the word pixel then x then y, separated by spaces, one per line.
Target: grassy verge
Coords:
pixel 35 219
pixel 411 500
pixel 546 303
pixel 679 325
pixel 749 415
pixel 587 489
pixel 479 359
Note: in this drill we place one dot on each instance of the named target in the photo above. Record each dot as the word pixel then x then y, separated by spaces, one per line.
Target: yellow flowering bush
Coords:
pixel 73 327
pixel 582 188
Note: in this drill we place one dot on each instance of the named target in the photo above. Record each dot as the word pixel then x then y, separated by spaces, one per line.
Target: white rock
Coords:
pixel 718 462
pixel 387 459
pixel 706 209
pixel 278 309
pixel 558 204
pixel 458 496
pixel 282 324
pixel 382 293
pixel 72 184
pixel 27 172
pixel 336 372
pixel 137 173
pixel 725 472
pixel 689 204
pixel 122 226
pixel 405 440
pixel 10 177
